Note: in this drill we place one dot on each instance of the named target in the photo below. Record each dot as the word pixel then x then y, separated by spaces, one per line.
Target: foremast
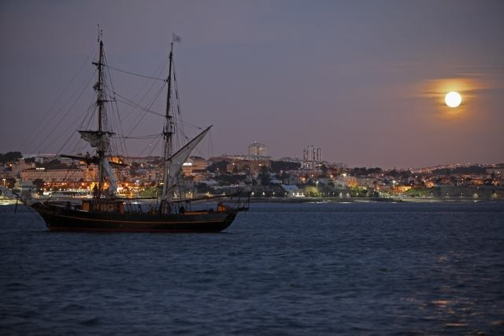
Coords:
pixel 100 139
pixel 99 102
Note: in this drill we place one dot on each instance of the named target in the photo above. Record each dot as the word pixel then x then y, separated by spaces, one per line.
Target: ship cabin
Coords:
pixel 116 206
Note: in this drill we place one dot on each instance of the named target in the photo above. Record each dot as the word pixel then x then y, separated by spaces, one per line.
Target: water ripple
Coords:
pixel 303 269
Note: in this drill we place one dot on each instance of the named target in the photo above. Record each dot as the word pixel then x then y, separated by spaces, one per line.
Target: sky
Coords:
pixel 363 80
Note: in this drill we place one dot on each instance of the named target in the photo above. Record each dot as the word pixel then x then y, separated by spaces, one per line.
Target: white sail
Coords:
pixel 100 140
pixel 110 173
pixel 176 161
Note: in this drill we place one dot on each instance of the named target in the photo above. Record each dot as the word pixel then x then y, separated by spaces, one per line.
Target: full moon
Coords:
pixel 453 99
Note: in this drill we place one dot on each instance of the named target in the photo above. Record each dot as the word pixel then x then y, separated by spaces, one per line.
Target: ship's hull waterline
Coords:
pixel 59 218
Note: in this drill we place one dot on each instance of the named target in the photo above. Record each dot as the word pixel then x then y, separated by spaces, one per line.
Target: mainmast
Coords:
pixel 168 130
pixel 99 102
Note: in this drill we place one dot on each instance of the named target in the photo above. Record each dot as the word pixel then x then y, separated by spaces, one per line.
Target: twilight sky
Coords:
pixel 363 80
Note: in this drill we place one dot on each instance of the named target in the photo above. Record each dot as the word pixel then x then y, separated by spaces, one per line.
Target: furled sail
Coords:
pixel 100 140
pixel 176 161
pixel 110 173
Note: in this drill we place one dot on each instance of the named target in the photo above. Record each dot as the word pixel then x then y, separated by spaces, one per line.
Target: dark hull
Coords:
pixel 59 218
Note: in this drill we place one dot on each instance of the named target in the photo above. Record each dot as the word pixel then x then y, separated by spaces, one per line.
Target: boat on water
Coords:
pixel 169 213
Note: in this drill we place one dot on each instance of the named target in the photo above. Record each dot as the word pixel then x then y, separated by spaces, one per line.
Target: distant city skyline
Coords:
pixel 365 81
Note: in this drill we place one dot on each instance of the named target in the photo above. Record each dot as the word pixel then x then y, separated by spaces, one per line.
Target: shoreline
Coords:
pixel 298 200
pixel 368 200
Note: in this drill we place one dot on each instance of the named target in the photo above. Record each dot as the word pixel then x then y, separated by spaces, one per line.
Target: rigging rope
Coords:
pixel 61 120
pixel 135 74
pixel 73 133
pixel 123 143
pixel 144 137
pixel 133 104
pixel 144 96
pixel 43 117
pixel 144 114
pixel 154 147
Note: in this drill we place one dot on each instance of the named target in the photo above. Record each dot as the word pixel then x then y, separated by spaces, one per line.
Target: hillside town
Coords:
pixel 266 178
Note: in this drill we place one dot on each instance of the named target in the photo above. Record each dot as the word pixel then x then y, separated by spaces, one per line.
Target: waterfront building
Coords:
pixel 18 167
pixel 73 174
pixel 194 165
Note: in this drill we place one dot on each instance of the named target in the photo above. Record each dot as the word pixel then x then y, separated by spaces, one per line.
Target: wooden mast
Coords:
pixel 99 103
pixel 168 132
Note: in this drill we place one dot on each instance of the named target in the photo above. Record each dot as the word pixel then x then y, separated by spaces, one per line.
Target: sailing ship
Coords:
pixel 107 212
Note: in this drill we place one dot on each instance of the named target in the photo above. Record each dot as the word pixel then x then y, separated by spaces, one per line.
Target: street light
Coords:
pixel 4 182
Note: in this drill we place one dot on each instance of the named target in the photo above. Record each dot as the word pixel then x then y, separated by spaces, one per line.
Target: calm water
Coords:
pixel 300 269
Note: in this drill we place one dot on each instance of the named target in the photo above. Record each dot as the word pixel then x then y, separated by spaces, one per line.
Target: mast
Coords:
pixel 99 102
pixel 168 131
pixel 100 138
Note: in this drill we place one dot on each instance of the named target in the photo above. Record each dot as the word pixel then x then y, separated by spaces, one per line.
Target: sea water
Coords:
pixel 280 269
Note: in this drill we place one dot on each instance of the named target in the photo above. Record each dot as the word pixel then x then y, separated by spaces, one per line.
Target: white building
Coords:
pixel 257 150
pixel 311 157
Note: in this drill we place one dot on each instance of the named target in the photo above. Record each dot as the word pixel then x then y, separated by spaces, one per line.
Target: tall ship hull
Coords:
pixel 63 218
